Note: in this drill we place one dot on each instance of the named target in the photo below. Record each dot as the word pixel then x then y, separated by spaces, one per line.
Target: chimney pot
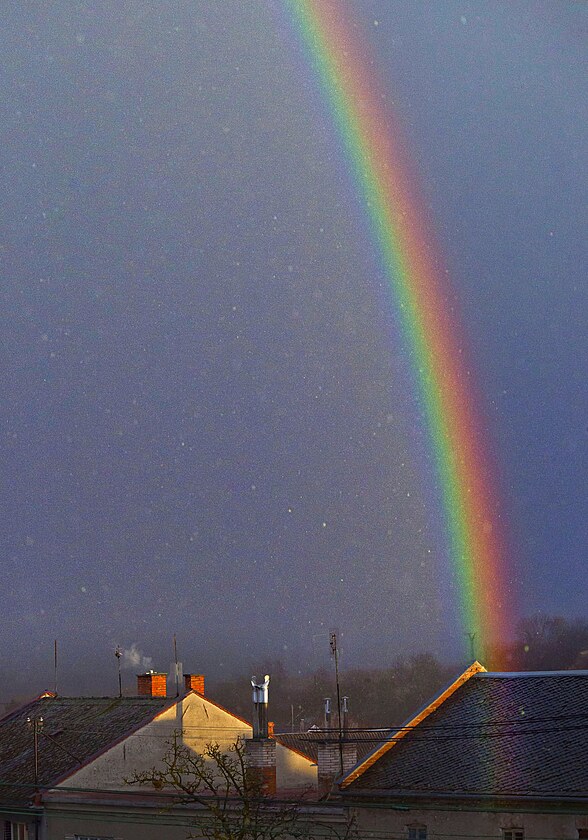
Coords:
pixel 194 682
pixel 152 684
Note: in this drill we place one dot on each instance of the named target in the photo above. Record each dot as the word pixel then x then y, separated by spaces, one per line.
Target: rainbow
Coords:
pixel 419 288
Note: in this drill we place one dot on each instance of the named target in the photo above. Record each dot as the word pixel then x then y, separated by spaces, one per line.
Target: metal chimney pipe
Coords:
pixel 260 701
pixel 327 712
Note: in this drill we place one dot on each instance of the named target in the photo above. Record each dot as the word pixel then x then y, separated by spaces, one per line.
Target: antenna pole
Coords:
pixel 177 672
pixel 118 653
pixel 335 652
pixel 471 637
pixel 55 665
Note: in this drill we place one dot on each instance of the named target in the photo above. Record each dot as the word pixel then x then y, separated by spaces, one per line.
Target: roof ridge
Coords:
pixel 398 734
pixel 523 674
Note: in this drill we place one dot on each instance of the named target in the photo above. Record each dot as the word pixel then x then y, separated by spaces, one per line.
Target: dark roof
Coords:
pixel 523 734
pixel 79 726
pixel 307 742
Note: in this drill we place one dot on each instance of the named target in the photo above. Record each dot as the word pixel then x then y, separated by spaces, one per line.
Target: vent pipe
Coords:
pixel 327 712
pixel 260 701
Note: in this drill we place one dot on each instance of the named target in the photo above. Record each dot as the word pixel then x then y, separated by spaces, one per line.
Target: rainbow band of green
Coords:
pixel 429 328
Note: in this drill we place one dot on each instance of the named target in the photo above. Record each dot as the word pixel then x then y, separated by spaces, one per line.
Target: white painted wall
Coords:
pixel 201 722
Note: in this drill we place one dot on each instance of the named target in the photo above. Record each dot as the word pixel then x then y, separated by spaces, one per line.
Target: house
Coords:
pixel 501 755
pixel 64 761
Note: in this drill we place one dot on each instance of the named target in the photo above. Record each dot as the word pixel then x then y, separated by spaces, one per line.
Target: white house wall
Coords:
pixel 201 722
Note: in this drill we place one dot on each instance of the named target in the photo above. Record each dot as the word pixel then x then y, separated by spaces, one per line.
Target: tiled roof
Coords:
pixel 79 726
pixel 500 734
pixel 307 742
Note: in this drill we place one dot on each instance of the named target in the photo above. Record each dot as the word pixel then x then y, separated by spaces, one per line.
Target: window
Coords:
pixel 513 834
pixel 417 832
pixel 18 831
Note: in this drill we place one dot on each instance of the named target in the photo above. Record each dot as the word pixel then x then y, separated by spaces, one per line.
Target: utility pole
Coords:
pixel 335 653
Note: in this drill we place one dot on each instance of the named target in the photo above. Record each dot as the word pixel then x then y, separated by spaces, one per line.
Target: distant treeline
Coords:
pixel 385 697
pixel 378 697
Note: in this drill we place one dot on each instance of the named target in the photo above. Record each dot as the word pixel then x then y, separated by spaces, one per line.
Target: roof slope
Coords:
pixel 77 728
pixel 307 743
pixel 498 734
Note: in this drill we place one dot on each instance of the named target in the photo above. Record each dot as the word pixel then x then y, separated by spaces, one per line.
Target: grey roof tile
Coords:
pixel 307 742
pixel 81 726
pixel 499 734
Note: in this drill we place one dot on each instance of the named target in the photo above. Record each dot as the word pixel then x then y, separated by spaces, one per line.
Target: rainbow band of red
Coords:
pixel 419 290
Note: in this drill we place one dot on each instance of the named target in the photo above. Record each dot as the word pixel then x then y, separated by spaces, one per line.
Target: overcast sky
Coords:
pixel 206 421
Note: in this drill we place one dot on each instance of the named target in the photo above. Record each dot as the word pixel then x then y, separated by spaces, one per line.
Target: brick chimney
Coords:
pixel 261 763
pixel 194 682
pixel 152 684
pixel 329 762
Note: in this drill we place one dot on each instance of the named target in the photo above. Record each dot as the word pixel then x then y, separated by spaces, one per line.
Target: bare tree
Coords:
pixel 231 796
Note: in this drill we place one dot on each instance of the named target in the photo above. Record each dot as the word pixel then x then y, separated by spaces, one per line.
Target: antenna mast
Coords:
pixel 335 653
pixel 118 653
pixel 177 670
pixel 471 637
pixel 55 665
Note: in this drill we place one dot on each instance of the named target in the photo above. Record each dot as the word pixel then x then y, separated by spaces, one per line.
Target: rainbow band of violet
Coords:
pixel 405 245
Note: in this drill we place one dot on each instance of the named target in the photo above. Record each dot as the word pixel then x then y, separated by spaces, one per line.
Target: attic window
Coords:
pixel 417 832
pixel 513 834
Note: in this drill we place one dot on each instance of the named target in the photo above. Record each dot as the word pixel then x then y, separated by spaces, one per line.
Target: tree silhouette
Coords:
pixel 233 803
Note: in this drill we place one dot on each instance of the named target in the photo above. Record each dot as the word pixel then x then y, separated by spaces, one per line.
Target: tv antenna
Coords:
pixel 335 654
pixel 471 637
pixel 118 653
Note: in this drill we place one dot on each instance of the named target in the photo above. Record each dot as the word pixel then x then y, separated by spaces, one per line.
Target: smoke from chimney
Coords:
pixel 133 658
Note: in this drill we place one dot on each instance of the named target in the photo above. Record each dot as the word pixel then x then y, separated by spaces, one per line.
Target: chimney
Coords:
pixel 345 714
pixel 260 701
pixel 194 682
pixel 330 757
pixel 152 684
pixel 327 712
pixel 260 751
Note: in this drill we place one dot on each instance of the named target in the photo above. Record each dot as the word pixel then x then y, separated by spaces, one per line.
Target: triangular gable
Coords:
pixel 132 730
pixel 383 748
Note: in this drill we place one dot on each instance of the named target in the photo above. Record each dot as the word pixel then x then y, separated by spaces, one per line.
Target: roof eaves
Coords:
pixel 371 758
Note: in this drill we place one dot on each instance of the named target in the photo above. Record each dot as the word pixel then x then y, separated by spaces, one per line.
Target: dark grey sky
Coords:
pixel 207 422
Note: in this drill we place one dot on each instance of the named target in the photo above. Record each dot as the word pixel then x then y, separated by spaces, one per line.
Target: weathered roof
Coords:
pixel 77 729
pixel 522 734
pixel 307 743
